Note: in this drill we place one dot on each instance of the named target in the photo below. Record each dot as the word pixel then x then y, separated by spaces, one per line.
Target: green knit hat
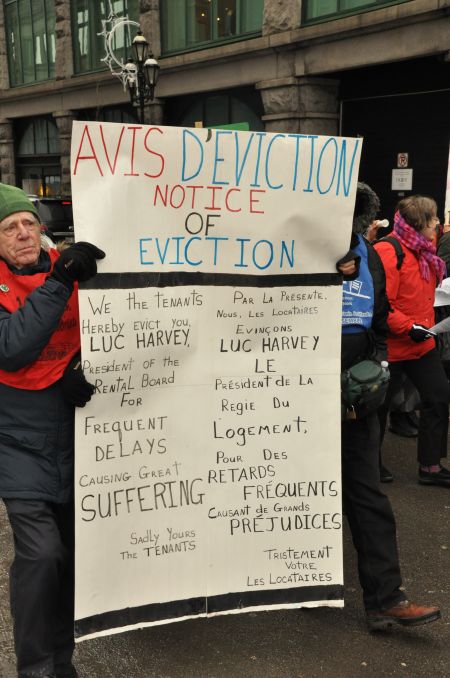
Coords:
pixel 13 199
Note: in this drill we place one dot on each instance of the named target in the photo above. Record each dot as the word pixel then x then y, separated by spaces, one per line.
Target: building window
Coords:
pixel 41 180
pixel 123 113
pixel 30 39
pixel 87 17
pixel 189 24
pixel 37 137
pixel 241 105
pixel 38 164
pixel 314 10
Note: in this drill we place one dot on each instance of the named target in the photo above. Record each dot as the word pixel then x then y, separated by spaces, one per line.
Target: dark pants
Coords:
pixel 42 584
pixel 429 378
pixel 369 515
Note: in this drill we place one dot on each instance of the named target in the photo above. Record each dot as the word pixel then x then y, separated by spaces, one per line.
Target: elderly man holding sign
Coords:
pixel 40 383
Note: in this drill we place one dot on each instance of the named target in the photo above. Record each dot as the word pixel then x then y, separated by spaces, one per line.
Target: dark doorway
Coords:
pixel 418 125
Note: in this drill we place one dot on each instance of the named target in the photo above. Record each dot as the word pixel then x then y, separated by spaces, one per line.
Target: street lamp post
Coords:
pixel 139 74
pixel 143 72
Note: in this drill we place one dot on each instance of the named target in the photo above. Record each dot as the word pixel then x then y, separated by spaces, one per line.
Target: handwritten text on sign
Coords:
pixel 213 200
pixel 206 481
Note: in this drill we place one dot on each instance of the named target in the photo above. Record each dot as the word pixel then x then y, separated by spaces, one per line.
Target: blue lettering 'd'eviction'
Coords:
pixel 217 158
pixel 342 162
pixel 297 138
pixel 333 141
pixel 313 138
pixel 256 183
pixel 240 168
pixel 184 176
pixel 269 148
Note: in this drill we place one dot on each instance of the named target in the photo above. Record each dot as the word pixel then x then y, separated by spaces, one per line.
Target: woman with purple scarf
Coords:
pixel 410 286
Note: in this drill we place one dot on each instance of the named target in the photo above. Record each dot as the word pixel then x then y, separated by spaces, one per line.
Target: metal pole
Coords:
pixel 141 93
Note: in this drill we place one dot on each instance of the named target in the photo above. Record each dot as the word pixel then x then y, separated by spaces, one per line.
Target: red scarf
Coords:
pixel 424 249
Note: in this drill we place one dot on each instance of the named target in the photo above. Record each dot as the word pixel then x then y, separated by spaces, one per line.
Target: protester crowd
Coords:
pixel 41 382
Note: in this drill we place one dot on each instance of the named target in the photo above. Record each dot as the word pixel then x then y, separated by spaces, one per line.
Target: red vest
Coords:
pixel 64 342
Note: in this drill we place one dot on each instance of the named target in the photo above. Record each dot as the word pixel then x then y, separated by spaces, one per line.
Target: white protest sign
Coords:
pixel 208 461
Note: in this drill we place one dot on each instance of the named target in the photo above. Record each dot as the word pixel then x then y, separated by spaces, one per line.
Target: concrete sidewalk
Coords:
pixel 294 644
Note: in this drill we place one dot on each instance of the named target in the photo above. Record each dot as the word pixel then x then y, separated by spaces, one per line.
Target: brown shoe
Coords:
pixel 405 613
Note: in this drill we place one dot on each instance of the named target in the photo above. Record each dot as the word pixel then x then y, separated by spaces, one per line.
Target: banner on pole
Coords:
pixel 208 461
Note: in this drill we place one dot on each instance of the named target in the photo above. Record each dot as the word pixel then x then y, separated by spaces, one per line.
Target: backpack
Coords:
pixel 363 388
pixel 397 247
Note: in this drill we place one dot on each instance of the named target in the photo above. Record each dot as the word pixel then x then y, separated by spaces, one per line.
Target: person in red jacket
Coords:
pixel 410 287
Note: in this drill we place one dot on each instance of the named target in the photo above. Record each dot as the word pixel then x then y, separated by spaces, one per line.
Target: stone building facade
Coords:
pixel 292 76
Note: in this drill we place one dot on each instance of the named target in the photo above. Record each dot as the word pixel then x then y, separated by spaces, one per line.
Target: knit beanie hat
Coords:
pixel 367 206
pixel 13 199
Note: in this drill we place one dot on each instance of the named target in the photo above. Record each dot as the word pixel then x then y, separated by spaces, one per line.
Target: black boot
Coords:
pixel 385 475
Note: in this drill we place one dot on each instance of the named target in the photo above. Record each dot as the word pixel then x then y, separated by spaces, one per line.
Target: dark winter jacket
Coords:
pixel 443 250
pixel 36 427
pixel 372 344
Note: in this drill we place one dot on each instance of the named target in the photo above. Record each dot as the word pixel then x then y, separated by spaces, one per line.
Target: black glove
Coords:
pixel 77 262
pixel 420 333
pixel 76 389
pixel 350 256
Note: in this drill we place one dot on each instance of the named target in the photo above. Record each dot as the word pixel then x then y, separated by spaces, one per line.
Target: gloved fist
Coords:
pixel 420 333
pixel 76 389
pixel 77 262
pixel 349 264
